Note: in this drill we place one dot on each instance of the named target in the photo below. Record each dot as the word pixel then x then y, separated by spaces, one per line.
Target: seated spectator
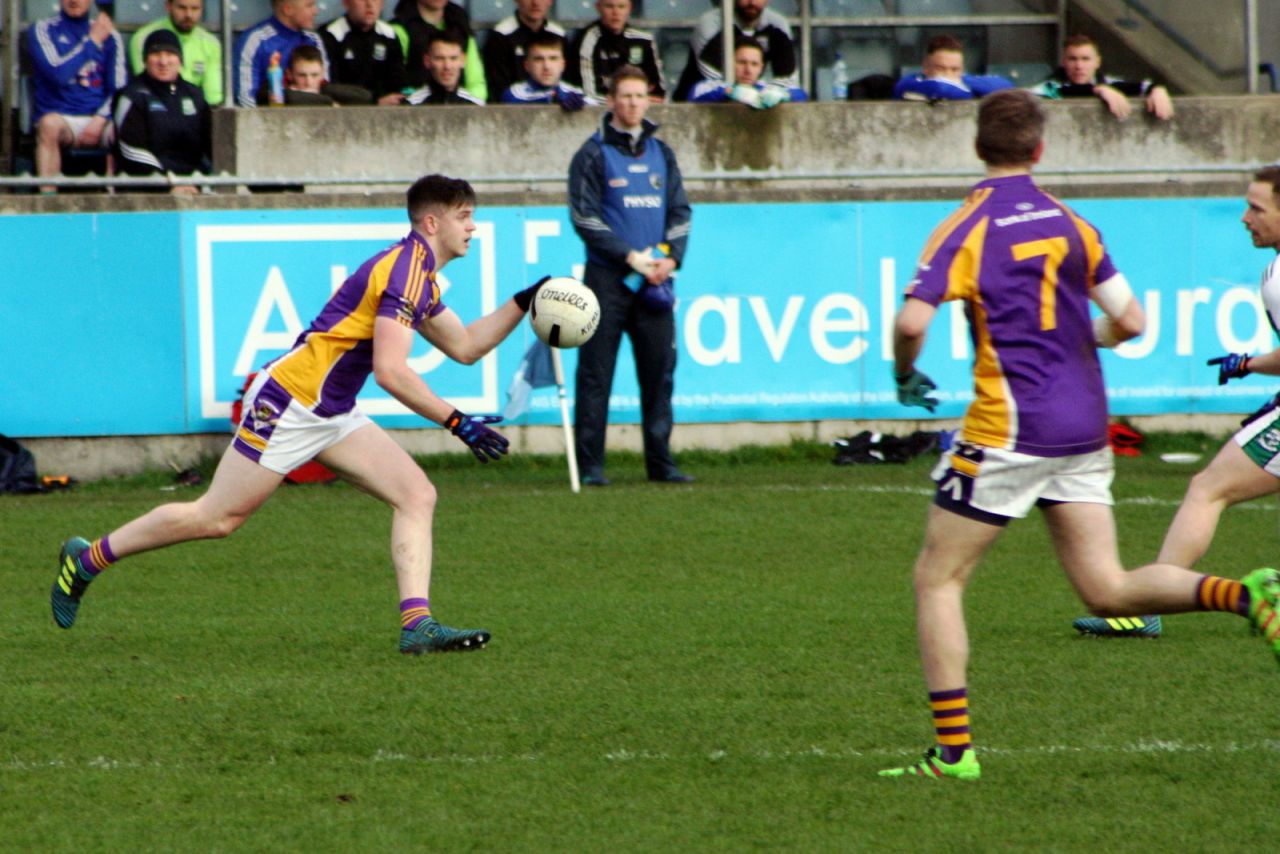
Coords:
pixel 1080 76
pixel 201 49
pixel 444 72
pixel 416 21
pixel 288 27
pixel 162 121
pixel 504 49
pixel 942 76
pixel 364 51
pixel 751 18
pixel 604 46
pixel 78 68
pixel 748 88
pixel 544 65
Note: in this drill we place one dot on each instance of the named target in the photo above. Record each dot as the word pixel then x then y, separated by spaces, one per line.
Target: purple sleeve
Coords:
pixel 408 295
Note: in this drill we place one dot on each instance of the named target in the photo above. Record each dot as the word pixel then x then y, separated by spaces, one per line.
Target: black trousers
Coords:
pixel 653 344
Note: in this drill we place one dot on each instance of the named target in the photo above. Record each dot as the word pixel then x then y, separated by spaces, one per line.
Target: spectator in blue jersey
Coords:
pixel 747 88
pixel 1081 76
pixel 628 204
pixel 444 62
pixel 303 406
pixel 289 26
pixel 544 64
pixel 363 51
pixel 942 76
pixel 78 66
pixel 751 18
pixel 609 42
pixel 504 49
pixel 162 122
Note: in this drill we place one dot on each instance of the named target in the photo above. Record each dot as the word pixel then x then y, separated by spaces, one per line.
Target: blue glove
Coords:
pixel 914 388
pixel 524 298
pixel 1232 366
pixel 474 430
pixel 569 100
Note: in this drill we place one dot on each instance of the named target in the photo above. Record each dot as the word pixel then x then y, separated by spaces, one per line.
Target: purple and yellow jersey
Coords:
pixel 1024 264
pixel 331 360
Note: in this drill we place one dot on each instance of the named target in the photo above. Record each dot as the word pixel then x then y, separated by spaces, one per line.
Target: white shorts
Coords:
pixel 994 486
pixel 1259 438
pixel 79 123
pixel 279 434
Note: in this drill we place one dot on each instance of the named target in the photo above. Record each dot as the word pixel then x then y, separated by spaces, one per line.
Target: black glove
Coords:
pixel 569 100
pixel 524 298
pixel 914 388
pixel 1232 366
pixel 474 430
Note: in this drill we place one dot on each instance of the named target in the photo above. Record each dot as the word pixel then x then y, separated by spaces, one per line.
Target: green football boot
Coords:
pixel 1264 605
pixel 70 584
pixel 1118 627
pixel 430 636
pixel 934 768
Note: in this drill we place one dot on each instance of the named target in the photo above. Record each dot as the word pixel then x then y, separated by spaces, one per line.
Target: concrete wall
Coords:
pixel 866 143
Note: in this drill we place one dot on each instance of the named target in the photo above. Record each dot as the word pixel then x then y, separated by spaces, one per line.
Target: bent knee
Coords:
pixel 225 525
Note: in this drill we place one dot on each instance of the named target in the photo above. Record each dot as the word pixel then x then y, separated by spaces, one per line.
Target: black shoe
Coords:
pixel 595 480
pixel 673 477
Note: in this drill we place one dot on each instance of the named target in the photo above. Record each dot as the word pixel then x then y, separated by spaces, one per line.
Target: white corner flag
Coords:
pixel 540 368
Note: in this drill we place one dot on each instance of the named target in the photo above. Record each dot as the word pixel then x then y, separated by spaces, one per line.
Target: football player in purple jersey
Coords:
pixel 1027 267
pixel 302 406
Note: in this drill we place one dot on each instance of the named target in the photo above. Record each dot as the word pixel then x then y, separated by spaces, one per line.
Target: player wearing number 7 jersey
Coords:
pixel 1027 268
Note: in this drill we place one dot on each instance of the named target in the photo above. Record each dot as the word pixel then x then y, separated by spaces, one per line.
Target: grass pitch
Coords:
pixel 722 666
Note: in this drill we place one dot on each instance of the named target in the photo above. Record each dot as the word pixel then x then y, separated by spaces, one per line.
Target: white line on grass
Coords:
pixel 814 752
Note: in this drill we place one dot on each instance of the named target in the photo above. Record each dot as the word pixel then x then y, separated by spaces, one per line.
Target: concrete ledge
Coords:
pixel 95 458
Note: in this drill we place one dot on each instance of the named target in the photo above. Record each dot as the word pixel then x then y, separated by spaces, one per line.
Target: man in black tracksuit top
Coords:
pixel 751 18
pixel 626 197
pixel 600 48
pixel 363 51
pixel 504 48
pixel 162 121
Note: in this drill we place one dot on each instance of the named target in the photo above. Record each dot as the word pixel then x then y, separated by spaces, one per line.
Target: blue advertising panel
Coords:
pixel 149 323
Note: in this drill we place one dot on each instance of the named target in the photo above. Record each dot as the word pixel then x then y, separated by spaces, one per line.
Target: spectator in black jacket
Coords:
pixel 604 46
pixel 417 22
pixel 751 18
pixel 444 61
pixel 1081 76
pixel 504 49
pixel 363 51
pixel 162 121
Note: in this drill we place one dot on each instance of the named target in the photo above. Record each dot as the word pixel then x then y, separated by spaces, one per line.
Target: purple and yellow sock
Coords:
pixel 413 612
pixel 97 557
pixel 1223 594
pixel 951 722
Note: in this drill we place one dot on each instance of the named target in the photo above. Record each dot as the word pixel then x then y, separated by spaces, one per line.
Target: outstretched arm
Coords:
pixel 469 344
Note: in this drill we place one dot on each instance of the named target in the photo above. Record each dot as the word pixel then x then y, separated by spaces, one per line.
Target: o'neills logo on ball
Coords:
pixel 569 297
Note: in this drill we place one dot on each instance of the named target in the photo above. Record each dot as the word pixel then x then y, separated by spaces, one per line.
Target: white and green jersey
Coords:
pixel 201 57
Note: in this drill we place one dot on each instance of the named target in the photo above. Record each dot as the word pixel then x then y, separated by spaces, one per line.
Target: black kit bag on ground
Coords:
pixel 868 447
pixel 17 468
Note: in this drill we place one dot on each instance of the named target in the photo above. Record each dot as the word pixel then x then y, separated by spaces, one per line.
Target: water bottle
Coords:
pixel 633 279
pixel 275 81
pixel 839 80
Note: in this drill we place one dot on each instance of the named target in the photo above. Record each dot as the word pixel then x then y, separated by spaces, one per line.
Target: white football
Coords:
pixel 565 313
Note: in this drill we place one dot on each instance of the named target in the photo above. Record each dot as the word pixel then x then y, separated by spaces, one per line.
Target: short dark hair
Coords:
pixel 544 38
pixel 448 35
pixel 943 42
pixel 305 53
pixel 626 72
pixel 1079 40
pixel 440 192
pixel 748 41
pixel 1269 175
pixel 1010 126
